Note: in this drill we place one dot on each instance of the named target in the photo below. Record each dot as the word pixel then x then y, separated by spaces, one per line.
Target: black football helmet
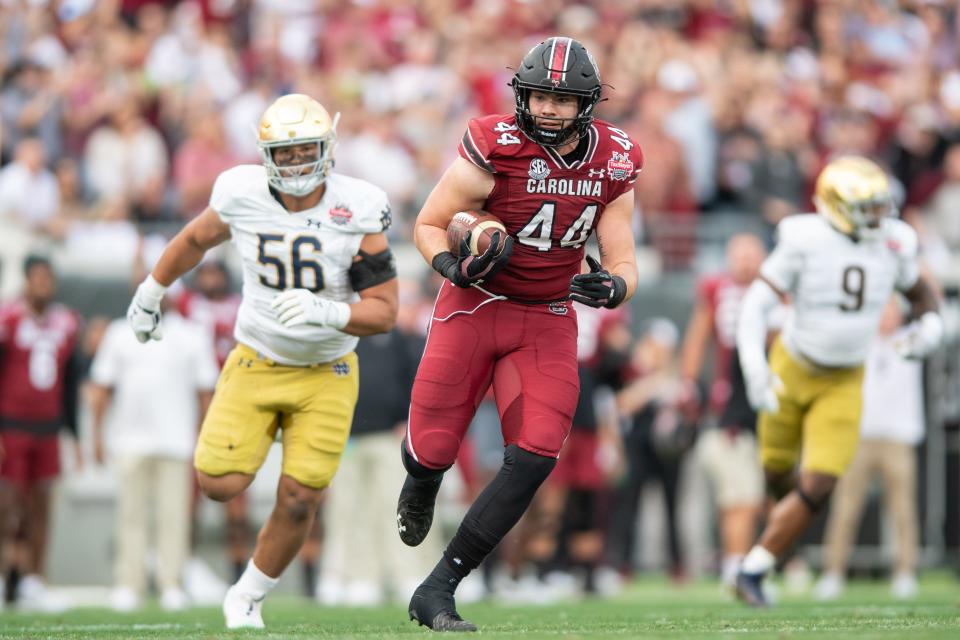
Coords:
pixel 557 65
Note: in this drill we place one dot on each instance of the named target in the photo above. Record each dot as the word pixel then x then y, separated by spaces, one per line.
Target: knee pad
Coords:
pixel 414 468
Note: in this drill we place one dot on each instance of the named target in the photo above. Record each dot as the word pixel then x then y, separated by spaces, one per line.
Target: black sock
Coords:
pixel 309 578
pixel 495 511
pixel 590 577
pixel 444 576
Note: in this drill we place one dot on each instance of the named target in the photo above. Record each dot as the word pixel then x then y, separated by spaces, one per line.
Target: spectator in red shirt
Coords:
pixel 203 156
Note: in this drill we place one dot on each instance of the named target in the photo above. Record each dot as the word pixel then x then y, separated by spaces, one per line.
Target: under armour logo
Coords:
pixel 458 561
pixel 245 362
pixel 253 602
pixel 400 526
pixel 597 173
pixel 341 368
pixel 313 223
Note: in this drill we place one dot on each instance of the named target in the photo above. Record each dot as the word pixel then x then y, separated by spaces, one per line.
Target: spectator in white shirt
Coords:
pixel 891 427
pixel 29 195
pixel 156 393
pixel 126 159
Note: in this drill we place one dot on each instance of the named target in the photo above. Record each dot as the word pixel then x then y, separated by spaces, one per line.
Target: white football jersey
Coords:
pixel 838 286
pixel 311 249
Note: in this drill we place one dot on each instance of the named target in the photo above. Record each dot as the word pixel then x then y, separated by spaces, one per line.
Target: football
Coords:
pixel 477 227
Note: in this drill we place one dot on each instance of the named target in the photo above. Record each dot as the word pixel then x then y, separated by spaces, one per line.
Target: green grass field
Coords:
pixel 650 609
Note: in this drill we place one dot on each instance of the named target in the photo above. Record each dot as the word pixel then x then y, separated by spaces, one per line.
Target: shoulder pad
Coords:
pixel 491 137
pixel 235 185
pixel 623 155
pixel 802 228
pixel 357 206
pixel 901 238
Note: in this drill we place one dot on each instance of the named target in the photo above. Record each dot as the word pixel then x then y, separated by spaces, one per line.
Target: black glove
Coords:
pixel 469 269
pixel 598 288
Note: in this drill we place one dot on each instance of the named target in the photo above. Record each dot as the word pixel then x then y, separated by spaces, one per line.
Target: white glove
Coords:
pixel 919 339
pixel 762 389
pixel 299 306
pixel 143 314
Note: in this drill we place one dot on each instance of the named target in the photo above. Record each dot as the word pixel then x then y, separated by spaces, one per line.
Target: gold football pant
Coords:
pixel 818 423
pixel 312 406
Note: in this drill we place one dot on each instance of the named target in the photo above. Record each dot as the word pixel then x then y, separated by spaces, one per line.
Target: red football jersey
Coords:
pixel 34 351
pixel 550 207
pixel 219 316
pixel 723 296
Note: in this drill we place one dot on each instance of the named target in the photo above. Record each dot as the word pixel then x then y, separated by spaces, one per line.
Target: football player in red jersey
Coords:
pixel 38 397
pixel 553 174
pixel 728 452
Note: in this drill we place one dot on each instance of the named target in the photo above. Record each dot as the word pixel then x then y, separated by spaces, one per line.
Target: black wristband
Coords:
pixel 442 262
pixel 448 265
pixel 618 293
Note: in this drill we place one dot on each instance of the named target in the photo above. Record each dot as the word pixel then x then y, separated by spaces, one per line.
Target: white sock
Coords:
pixel 731 565
pixel 759 560
pixel 255 582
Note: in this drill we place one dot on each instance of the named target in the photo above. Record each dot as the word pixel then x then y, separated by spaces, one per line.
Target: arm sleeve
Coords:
pixel 752 325
pixel 782 267
pixel 908 267
pixel 475 147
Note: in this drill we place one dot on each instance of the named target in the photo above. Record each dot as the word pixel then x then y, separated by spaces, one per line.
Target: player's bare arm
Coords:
pixel 463 187
pixel 922 297
pixel 376 312
pixel 182 254
pixel 614 279
pixel 618 253
pixel 189 246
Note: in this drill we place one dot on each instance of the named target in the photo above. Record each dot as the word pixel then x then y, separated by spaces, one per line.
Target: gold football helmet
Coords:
pixel 854 194
pixel 291 124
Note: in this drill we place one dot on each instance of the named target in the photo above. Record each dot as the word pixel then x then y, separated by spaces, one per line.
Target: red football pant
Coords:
pixel 528 352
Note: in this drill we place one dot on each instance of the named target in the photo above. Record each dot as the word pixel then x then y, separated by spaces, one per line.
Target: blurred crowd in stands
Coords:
pixel 120 112
pixel 117 116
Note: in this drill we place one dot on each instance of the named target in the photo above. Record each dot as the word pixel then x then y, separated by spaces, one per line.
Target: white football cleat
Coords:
pixel 242 611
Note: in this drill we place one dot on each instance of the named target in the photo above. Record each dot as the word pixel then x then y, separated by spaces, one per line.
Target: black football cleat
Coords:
pixel 415 509
pixel 749 588
pixel 435 609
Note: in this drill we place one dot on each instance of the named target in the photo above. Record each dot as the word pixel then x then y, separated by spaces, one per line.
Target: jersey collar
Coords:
pixel 593 138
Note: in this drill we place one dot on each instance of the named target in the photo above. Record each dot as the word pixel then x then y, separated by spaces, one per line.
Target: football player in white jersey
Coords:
pixel 317 273
pixel 837 269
